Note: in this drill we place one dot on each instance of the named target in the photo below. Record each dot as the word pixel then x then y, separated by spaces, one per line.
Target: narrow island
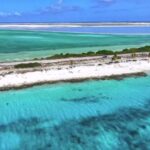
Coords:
pixel 104 64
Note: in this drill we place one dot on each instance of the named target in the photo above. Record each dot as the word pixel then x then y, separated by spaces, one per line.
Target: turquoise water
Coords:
pixel 92 115
pixel 20 45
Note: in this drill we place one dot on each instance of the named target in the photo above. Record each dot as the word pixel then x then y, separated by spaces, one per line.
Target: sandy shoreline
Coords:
pixel 52 72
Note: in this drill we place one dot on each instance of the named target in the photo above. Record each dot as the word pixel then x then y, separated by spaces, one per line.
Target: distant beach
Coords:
pixel 91 28
pixel 45 25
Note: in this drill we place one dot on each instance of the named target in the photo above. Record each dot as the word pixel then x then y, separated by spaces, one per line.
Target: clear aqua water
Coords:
pixel 23 44
pixel 92 115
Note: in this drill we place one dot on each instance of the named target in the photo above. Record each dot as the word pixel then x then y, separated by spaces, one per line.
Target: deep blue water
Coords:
pixel 92 115
pixel 100 29
pixel 103 30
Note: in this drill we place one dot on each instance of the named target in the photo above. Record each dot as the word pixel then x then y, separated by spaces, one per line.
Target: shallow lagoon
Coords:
pixel 20 45
pixel 91 115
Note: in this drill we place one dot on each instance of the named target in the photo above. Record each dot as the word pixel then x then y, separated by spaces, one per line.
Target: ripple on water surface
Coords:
pixel 89 115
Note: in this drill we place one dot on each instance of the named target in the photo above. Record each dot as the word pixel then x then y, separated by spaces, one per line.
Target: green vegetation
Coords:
pixel 116 57
pixel 28 65
pixel 133 51
pixel 136 50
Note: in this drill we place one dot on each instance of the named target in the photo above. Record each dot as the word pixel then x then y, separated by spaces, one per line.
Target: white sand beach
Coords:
pixel 74 72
